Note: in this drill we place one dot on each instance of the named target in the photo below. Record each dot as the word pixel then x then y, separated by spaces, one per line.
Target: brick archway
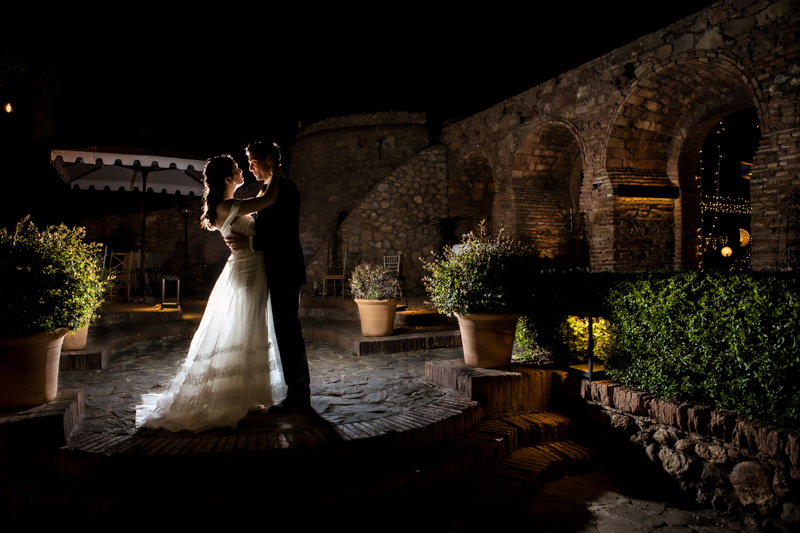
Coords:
pixel 544 189
pixel 654 142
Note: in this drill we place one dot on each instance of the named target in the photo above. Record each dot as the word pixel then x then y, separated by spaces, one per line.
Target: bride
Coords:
pixel 233 365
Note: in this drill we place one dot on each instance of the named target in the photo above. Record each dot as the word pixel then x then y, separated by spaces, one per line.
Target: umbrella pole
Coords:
pixel 141 269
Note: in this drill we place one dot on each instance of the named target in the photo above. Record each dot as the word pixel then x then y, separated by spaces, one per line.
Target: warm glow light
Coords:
pixel 8 108
pixel 747 171
pixel 744 237
pixel 726 252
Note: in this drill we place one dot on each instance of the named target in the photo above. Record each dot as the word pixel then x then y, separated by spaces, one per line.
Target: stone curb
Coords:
pixel 753 435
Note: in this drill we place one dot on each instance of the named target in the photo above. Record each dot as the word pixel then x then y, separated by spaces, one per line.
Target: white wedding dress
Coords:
pixel 233 363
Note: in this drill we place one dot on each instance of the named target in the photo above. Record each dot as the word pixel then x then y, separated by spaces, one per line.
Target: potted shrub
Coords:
pixel 483 283
pixel 375 291
pixel 51 282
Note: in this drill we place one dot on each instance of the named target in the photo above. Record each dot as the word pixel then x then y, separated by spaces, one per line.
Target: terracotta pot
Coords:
pixel 75 340
pixel 29 369
pixel 377 317
pixel 488 339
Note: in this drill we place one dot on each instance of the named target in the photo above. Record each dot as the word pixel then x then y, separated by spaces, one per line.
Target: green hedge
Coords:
pixel 731 339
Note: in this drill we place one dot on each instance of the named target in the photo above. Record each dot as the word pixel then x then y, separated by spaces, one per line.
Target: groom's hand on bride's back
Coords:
pixel 237 241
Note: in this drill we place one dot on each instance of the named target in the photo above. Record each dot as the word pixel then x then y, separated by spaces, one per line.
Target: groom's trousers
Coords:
pixel 285 306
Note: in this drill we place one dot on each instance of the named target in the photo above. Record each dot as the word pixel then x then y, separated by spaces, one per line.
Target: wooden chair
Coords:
pixel 121 266
pixel 394 263
pixel 337 273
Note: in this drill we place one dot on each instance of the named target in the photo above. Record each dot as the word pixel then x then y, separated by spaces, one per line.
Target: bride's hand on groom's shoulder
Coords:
pixel 237 241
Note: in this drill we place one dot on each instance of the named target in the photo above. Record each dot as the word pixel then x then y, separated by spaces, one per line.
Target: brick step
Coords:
pixel 443 487
pixel 381 479
pixel 260 441
pixel 514 482
pixel 517 388
pixel 422 318
pixel 414 317
pixel 387 483
pixel 347 335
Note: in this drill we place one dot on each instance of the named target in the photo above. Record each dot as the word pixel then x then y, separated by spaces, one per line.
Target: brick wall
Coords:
pixel 638 115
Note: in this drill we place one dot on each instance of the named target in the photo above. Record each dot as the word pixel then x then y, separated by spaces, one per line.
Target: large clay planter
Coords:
pixel 77 340
pixel 488 339
pixel 29 369
pixel 377 317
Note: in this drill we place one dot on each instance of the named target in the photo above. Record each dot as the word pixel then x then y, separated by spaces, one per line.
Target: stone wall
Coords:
pixel 637 116
pixel 400 215
pixel 470 194
pixel 741 467
pixel 335 162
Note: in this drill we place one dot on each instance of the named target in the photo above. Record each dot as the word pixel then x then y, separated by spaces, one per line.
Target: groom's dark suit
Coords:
pixel 278 235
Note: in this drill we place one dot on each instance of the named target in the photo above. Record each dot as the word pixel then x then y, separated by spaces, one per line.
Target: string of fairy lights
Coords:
pixel 722 205
pixel 725 204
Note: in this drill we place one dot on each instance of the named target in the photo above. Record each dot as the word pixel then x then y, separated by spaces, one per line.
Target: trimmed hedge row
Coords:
pixel 731 339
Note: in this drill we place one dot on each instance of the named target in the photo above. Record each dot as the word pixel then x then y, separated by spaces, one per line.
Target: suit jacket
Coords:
pixel 278 235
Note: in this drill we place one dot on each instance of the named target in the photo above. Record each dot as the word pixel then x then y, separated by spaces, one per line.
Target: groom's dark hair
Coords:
pixel 262 149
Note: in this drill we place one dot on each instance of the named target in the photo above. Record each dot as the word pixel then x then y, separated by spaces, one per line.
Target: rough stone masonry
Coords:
pixel 747 468
pixel 636 116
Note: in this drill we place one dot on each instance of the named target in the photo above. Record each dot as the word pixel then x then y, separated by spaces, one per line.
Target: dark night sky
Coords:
pixel 209 82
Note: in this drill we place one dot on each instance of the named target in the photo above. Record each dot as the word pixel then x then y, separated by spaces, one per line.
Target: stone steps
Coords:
pixel 513 389
pixel 491 466
pixel 515 481
pixel 496 465
pixel 255 444
pixel 409 317
pixel 347 335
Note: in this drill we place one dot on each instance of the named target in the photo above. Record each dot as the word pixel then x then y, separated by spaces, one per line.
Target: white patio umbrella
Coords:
pixel 130 169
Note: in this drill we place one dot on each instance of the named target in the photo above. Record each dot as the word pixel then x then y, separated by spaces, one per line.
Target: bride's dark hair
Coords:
pixel 214 174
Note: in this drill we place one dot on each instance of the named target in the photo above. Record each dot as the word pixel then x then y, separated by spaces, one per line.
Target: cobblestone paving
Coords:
pixel 345 388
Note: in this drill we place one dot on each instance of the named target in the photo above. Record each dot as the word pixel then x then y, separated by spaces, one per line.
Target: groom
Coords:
pixel 278 235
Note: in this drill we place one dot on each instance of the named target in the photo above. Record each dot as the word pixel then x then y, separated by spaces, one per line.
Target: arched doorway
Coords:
pixel 540 206
pixel 652 157
pixel 723 178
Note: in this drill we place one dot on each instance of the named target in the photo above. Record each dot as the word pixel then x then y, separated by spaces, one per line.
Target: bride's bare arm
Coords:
pixel 265 198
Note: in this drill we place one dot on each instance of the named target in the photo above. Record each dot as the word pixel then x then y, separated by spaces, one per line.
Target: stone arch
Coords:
pixel 544 189
pixel 653 141
pixel 470 192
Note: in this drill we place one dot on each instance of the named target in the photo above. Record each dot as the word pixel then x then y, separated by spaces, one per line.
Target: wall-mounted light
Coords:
pixel 9 109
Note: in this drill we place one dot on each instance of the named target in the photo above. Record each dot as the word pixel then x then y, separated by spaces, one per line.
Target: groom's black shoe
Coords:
pixel 284 408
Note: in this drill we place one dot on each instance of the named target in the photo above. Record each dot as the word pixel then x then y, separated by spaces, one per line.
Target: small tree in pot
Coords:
pixel 375 291
pixel 483 283
pixel 51 281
